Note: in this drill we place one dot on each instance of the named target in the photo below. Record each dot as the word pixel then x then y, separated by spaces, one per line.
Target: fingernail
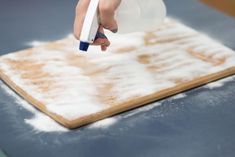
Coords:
pixel 100 35
pixel 115 30
pixel 105 44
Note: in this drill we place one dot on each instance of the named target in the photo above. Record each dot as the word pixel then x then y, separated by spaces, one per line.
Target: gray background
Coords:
pixel 201 124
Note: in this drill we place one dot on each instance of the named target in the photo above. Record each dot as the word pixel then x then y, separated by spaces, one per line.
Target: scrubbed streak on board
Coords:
pixel 73 84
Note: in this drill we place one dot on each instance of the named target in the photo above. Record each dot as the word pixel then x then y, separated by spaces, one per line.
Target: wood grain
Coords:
pixel 138 69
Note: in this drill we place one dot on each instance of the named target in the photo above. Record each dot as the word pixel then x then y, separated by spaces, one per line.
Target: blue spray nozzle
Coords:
pixel 84 46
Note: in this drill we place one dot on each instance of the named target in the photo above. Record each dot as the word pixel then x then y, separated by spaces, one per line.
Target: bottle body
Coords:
pixel 140 15
pixel 131 16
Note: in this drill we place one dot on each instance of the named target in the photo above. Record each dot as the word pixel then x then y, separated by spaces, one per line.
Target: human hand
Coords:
pixel 106 13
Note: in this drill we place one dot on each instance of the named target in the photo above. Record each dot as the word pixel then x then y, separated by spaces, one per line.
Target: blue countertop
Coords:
pixel 202 124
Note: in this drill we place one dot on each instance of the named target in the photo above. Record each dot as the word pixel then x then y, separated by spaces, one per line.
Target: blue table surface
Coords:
pixel 200 125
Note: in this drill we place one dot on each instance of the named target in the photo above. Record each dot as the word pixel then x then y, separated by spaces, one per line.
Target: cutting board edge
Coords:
pixel 153 97
pixel 141 101
pixel 37 104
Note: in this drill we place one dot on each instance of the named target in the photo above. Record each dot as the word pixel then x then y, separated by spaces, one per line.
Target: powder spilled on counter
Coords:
pixel 103 124
pixel 35 43
pixel 178 96
pixel 40 122
pixel 220 83
pixel 74 85
pixel 142 109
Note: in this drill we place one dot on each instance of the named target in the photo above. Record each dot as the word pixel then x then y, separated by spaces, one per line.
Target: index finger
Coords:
pixel 81 10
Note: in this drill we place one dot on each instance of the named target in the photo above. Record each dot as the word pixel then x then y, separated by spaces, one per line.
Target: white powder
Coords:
pixel 36 43
pixel 103 124
pixel 142 109
pixel 79 90
pixel 220 83
pixel 40 122
pixel 17 98
pixel 125 66
pixel 74 94
pixel 178 96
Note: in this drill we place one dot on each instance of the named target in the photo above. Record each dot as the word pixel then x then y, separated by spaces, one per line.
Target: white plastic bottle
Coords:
pixel 131 16
pixel 140 15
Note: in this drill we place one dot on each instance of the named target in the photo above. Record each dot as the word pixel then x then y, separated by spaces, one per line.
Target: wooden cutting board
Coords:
pixel 77 88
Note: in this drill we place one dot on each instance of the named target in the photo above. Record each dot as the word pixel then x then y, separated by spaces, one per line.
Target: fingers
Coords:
pixel 106 13
pixel 101 39
pixel 107 10
pixel 81 10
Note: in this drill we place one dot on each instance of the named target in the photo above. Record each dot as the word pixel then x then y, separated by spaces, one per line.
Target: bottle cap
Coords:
pixel 84 46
